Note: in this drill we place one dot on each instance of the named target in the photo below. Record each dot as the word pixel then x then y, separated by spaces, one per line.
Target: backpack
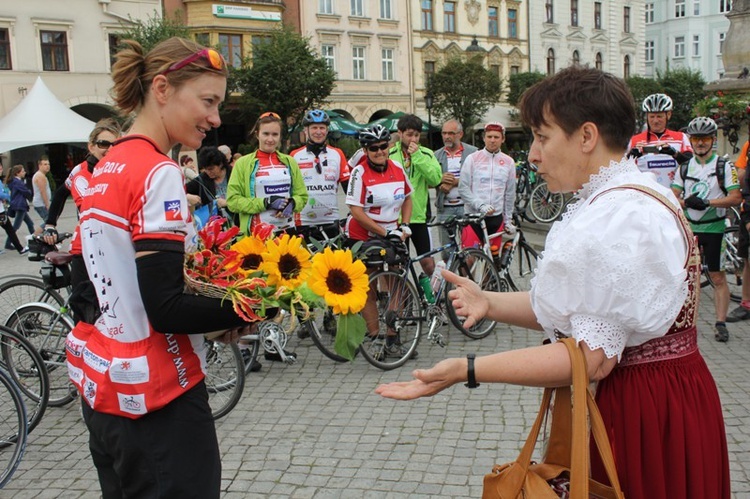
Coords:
pixel 720 163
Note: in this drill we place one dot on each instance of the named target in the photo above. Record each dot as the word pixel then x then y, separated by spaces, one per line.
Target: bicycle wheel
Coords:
pixel 47 329
pixel 400 313
pixel 26 367
pixel 477 266
pixel 522 267
pixel 23 290
pixel 731 264
pixel 322 329
pixel 546 206
pixel 225 377
pixel 13 427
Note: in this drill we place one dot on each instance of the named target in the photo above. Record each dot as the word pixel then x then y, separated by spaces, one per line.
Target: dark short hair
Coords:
pixel 184 159
pixel 210 155
pixel 577 95
pixel 409 122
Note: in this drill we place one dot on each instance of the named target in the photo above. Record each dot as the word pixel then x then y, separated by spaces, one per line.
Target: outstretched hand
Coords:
pixel 426 382
pixel 467 297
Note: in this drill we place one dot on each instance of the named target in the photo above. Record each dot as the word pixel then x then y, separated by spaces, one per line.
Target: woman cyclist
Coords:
pixel 266 185
pixel 211 184
pixel 377 196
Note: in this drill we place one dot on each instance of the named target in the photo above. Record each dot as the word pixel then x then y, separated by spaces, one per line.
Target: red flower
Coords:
pixel 720 93
pixel 720 104
pixel 263 231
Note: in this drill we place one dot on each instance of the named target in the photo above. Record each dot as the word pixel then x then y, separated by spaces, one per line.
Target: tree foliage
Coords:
pixel 684 86
pixel 519 82
pixel 285 76
pixel 154 30
pixel 463 90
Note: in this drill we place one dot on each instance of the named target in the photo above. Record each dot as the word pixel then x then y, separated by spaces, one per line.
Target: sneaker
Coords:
pixel 2 251
pixel 738 314
pixel 255 366
pixel 722 333
pixel 275 357
pixel 398 351
pixel 302 332
pixel 24 250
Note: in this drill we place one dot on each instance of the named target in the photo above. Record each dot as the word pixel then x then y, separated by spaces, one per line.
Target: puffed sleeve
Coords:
pixel 614 275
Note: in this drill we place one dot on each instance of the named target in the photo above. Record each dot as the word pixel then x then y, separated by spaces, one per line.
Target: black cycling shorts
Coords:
pixel 420 238
pixel 308 232
pixel 743 238
pixel 710 244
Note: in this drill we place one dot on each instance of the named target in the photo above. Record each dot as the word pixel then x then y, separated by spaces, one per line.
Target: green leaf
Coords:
pixel 350 332
pixel 308 296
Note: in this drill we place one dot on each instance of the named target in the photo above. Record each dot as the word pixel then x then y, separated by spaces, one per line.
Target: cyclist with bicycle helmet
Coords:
pixel 323 168
pixel 742 312
pixel 705 200
pixel 379 192
pixel 657 149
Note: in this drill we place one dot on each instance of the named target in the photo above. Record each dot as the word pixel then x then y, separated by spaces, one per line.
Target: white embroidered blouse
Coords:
pixel 613 270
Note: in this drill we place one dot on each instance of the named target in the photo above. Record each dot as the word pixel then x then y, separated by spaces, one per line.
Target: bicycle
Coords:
pixel 403 305
pixel 13 427
pixel 225 376
pixel 532 194
pixel 732 264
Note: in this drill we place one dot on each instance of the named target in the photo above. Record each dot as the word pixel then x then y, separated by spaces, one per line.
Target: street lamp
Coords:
pixel 428 105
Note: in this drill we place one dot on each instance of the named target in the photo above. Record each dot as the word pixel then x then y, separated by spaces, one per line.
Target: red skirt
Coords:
pixel 666 429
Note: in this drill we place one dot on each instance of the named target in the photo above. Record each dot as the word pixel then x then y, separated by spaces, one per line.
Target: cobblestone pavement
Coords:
pixel 315 429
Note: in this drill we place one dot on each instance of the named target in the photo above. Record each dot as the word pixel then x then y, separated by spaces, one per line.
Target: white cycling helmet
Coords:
pixel 702 127
pixel 657 103
pixel 373 134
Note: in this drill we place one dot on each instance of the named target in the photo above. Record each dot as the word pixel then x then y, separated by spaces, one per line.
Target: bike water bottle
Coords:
pixel 505 254
pixel 437 276
pixel 495 256
pixel 424 282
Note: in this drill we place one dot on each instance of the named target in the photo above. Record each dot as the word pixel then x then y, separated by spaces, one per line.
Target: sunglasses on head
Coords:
pixel 375 148
pixel 212 56
pixel 104 144
pixel 269 114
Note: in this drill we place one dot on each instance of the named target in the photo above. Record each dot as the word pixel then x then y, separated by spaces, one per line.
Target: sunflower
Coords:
pixel 286 261
pixel 343 283
pixel 250 251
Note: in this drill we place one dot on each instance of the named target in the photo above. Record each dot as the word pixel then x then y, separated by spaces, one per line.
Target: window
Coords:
pixel 358 63
pixel 696 45
pixel 327 52
pixel 357 8
pixel 576 58
pixel 54 50
pixel 386 9
pixel 550 62
pixel 597 15
pixel 649 9
pixel 5 62
pixel 495 68
pixel 387 56
pixel 574 12
pixel 514 70
pixel 649 51
pixel 427 15
pixel 112 38
pixel 493 22
pixel 449 17
pixel 231 49
pixel 599 64
pixel 548 10
pixel 429 70
pixel 696 7
pixel 722 38
pixel 512 23
pixel 679 46
pixel 626 19
pixel 257 41
pixel 325 6
pixel 725 5
pixel 626 67
pixel 679 8
pixel 203 39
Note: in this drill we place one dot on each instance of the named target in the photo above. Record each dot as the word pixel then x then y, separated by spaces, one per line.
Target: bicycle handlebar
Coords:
pixel 61 236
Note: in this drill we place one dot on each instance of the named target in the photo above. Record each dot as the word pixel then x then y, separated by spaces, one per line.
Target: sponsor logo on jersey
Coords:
pixel 306 164
pixel 277 189
pixel 399 193
pixel 330 178
pixel 324 187
pixel 172 211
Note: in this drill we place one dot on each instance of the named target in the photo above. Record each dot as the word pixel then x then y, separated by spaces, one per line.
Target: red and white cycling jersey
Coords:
pixel 123 366
pixel 322 175
pixel 380 194
pixel 78 184
pixel 661 165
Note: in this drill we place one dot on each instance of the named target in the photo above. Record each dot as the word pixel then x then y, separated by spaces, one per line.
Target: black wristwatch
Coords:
pixel 470 368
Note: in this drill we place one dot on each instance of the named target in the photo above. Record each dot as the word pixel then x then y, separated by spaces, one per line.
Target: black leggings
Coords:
pixel 7 226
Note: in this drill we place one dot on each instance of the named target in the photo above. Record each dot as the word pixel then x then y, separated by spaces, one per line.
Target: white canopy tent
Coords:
pixel 42 119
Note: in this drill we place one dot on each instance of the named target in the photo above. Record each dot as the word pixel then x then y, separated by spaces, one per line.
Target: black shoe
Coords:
pixel 255 366
pixel 738 314
pixel 722 333
pixel 24 251
pixel 275 357
pixel 302 332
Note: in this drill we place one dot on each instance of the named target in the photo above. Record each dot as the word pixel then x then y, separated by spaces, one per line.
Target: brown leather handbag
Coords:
pixel 567 455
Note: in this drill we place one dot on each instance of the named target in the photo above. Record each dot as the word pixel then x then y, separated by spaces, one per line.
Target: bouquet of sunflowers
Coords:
pixel 262 271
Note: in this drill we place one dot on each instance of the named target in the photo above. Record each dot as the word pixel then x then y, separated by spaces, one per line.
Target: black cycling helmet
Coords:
pixel 316 116
pixel 657 103
pixel 702 127
pixel 373 134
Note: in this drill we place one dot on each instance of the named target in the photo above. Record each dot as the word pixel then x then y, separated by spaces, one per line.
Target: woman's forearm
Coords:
pixel 512 308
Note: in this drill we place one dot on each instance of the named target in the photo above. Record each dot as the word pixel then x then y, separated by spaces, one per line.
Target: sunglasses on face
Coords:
pixel 376 148
pixel 212 56
pixel 103 144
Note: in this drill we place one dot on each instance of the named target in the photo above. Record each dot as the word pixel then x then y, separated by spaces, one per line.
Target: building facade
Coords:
pixel 606 34
pixel 685 34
